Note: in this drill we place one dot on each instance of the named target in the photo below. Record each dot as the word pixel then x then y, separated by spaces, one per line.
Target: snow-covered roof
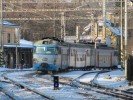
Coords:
pixel 6 23
pixel 116 31
pixel 23 44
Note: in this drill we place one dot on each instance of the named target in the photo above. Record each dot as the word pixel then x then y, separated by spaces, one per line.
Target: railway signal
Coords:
pixel 56 82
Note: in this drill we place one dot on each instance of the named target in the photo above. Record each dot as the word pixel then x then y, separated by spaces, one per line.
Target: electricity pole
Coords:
pixel 104 21
pixel 77 34
pixel 2 34
pixel 126 38
pixel 54 22
pixel 63 33
pixel 17 42
pixel 121 26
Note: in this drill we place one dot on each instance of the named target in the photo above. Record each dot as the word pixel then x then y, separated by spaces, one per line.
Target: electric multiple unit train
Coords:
pixel 54 55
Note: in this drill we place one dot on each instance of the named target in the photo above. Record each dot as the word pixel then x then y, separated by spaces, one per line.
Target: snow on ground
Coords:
pixel 3 69
pixel 115 79
pixel 74 74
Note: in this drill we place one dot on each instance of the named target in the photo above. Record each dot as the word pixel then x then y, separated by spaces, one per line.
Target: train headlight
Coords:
pixel 44 59
pixel 35 61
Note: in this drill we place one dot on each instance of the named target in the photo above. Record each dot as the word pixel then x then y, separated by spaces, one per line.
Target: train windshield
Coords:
pixel 46 50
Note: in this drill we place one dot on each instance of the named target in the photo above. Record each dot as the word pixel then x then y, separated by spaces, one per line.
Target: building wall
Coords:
pixel 10 49
pixel 23 53
pixel 9 30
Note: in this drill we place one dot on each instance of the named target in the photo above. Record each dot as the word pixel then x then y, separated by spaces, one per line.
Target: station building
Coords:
pixel 14 47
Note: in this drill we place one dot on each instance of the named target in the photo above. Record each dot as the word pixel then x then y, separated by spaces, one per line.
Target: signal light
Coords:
pixel 56 82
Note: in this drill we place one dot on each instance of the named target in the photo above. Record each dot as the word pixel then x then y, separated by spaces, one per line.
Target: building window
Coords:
pixel 8 38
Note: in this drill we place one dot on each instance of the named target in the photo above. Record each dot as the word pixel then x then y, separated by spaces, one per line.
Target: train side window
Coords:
pixel 77 57
pixel 115 53
pixel 73 52
pixel 83 57
pixel 59 50
pixel 87 53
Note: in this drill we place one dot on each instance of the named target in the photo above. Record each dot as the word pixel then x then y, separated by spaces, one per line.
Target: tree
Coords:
pixel 2 61
pixel 118 3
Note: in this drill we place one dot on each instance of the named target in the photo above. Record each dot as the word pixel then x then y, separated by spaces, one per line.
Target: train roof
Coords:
pixel 55 41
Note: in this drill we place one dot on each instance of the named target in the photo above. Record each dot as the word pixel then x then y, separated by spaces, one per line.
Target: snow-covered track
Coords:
pixel 62 80
pixel 6 93
pixel 124 94
pixel 26 87
pixel 101 89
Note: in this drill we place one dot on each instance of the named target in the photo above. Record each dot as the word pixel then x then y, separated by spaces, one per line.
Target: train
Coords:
pixel 53 54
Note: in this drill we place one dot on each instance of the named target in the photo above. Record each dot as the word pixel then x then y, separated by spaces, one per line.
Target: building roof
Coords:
pixel 116 31
pixel 22 44
pixel 6 23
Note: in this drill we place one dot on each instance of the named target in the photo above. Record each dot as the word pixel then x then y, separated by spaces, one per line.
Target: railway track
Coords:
pixel 14 96
pixel 4 96
pixel 32 80
pixel 124 94
pixel 42 81
pixel 91 86
pixel 102 89
pixel 5 93
pixel 65 81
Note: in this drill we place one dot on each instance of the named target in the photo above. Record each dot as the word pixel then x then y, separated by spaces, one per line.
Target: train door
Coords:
pixel 75 58
pixel 104 58
pixel 69 55
pixel 80 58
pixel 72 62
pixel 86 52
pixel 92 57
pixel 58 61
pixel 87 58
pixel 64 57
pixel 61 57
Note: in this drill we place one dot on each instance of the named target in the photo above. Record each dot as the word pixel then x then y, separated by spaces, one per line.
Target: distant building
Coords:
pixel 25 52
pixel 11 33
pixel 12 42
